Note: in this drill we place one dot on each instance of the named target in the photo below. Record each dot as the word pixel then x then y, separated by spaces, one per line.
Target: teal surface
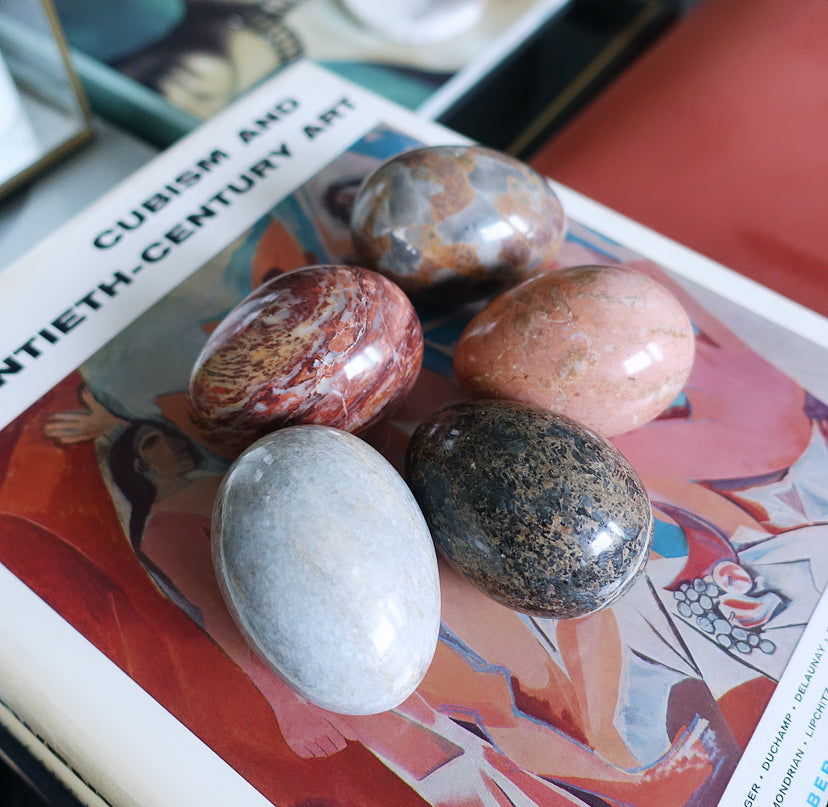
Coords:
pixel 116 30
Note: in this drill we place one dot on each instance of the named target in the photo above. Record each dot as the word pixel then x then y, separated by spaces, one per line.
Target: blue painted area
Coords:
pixel 592 246
pixel 669 540
pixel 296 219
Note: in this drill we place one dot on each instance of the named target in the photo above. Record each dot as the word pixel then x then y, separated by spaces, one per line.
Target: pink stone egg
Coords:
pixel 329 345
pixel 605 345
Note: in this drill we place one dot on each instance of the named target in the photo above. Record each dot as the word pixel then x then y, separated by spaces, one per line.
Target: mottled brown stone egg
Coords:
pixel 328 345
pixel 455 223
pixel 538 511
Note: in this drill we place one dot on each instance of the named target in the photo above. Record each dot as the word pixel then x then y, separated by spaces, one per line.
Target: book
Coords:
pixel 120 662
pixel 160 69
pixel 47 202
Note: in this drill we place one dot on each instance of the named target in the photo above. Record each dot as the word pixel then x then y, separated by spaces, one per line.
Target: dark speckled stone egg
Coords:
pixel 454 223
pixel 537 510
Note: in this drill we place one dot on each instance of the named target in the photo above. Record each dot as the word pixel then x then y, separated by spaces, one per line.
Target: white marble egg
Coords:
pixel 328 567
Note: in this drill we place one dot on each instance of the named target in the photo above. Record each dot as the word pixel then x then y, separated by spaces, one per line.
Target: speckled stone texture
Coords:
pixel 454 223
pixel 332 345
pixel 328 567
pixel 543 514
pixel 606 345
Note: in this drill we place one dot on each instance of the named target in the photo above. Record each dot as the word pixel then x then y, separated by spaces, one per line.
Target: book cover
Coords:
pixel 160 68
pixel 706 682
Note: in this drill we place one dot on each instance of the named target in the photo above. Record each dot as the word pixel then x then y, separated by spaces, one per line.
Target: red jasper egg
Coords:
pixel 330 345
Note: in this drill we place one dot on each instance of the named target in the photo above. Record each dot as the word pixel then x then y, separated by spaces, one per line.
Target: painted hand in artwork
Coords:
pixel 68 428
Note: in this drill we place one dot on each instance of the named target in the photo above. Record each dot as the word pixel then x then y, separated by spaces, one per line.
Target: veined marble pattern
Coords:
pixel 453 223
pixel 331 345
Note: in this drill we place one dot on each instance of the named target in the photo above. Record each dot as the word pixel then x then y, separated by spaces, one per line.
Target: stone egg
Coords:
pixel 455 223
pixel 331 345
pixel 540 512
pixel 606 345
pixel 327 566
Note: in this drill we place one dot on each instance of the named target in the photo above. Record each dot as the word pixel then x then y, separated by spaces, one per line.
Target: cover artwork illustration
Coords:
pixel 106 496
pixel 199 55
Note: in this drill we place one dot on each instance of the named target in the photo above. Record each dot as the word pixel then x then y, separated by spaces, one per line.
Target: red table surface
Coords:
pixel 718 137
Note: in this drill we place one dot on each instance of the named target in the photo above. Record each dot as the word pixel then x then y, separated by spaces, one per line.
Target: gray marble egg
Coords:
pixel 537 510
pixel 455 223
pixel 327 565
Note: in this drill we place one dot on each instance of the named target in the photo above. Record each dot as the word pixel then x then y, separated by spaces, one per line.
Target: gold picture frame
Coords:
pixel 44 114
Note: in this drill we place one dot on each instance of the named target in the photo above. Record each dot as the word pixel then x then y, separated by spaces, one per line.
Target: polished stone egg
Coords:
pixel 332 345
pixel 607 345
pixel 540 512
pixel 454 223
pixel 327 565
